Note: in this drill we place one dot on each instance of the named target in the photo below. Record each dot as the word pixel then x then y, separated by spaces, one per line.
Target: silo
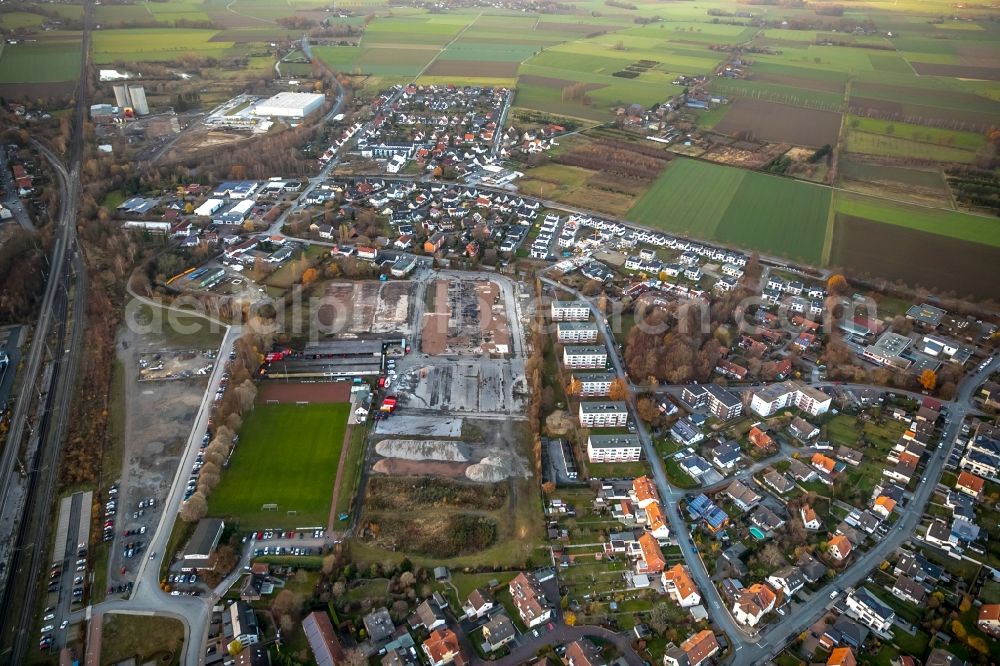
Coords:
pixel 121 96
pixel 138 97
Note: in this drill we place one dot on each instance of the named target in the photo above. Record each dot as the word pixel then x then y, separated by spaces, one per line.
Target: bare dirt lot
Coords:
pixel 367 307
pixel 779 122
pixel 399 467
pixel 467 318
pixel 485 68
pixel 890 251
pixel 157 423
pixel 477 385
pixel 181 364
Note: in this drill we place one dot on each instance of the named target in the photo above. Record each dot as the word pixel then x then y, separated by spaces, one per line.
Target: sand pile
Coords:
pixel 490 470
pixel 424 449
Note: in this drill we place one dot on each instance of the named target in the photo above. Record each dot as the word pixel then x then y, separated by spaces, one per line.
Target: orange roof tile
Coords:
pixel 970 481
pixel 819 460
pixel 700 646
pixel 678 574
pixel 654 516
pixel 886 503
pixel 651 553
pixel 841 656
pixel 644 489
pixel 841 545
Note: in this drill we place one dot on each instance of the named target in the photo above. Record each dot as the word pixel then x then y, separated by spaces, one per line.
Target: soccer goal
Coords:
pixel 269 507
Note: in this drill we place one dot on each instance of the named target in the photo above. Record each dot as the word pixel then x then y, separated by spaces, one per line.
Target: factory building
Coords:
pixel 289 105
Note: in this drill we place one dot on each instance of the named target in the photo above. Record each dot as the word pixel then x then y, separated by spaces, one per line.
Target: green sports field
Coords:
pixel 744 208
pixel 287 455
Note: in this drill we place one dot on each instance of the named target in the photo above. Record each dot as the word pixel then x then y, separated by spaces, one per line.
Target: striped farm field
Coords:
pixel 744 208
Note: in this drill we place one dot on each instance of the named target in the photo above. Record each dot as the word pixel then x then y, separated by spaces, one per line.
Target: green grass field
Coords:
pixel 749 209
pixel 15 20
pixel 963 226
pixel 47 61
pixel 154 44
pixel 287 455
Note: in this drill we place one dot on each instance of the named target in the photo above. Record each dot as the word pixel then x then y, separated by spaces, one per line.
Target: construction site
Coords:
pixel 367 307
pixel 465 317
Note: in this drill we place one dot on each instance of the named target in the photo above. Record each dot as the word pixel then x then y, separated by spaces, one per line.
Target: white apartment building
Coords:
pixel 570 311
pixel 577 356
pixel 596 414
pixel 594 383
pixel 766 401
pixel 613 448
pixel 584 332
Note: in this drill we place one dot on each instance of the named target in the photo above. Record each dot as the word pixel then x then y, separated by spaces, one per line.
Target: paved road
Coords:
pixel 61 322
pixel 147 597
pixel 750 647
pixel 561 634
pixel 668 494
pixel 778 634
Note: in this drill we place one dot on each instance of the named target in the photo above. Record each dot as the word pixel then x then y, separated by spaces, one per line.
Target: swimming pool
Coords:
pixel 757 534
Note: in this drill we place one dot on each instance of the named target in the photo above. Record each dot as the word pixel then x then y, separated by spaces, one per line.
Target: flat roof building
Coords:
pixel 198 553
pixel 289 105
pixel 613 448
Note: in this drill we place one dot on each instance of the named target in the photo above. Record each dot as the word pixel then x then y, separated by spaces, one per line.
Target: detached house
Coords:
pixel 442 648
pixel 530 600
pixel 678 584
pixel 970 484
pixel 809 518
pixel 866 607
pixel 480 603
pixel 839 548
pixel 989 619
pixel 754 603
pixel 692 652
pixel 651 559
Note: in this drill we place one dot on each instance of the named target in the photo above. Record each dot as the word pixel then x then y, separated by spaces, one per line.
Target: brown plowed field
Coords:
pixel 781 123
pixel 958 71
pixel 968 119
pixel 400 467
pixel 916 257
pixel 305 392
pixel 492 69
pixel 15 91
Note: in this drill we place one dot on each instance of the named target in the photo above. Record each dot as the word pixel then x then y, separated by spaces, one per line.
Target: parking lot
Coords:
pixel 158 417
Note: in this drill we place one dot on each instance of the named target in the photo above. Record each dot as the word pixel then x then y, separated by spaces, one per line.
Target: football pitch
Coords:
pixel 287 456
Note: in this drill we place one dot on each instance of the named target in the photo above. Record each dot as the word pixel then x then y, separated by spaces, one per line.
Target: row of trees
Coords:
pixel 228 414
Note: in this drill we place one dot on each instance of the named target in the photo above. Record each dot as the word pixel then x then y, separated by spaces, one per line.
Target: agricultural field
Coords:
pixel 287 455
pixel 748 209
pixel 961 226
pixel 922 185
pixel 768 121
pixel 16 20
pixel 48 60
pixel 154 44
pixel 948 250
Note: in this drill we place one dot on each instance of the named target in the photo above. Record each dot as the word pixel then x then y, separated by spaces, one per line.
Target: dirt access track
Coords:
pixel 467 317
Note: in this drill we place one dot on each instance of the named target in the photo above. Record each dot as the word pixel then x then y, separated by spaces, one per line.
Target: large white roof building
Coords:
pixel 289 105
